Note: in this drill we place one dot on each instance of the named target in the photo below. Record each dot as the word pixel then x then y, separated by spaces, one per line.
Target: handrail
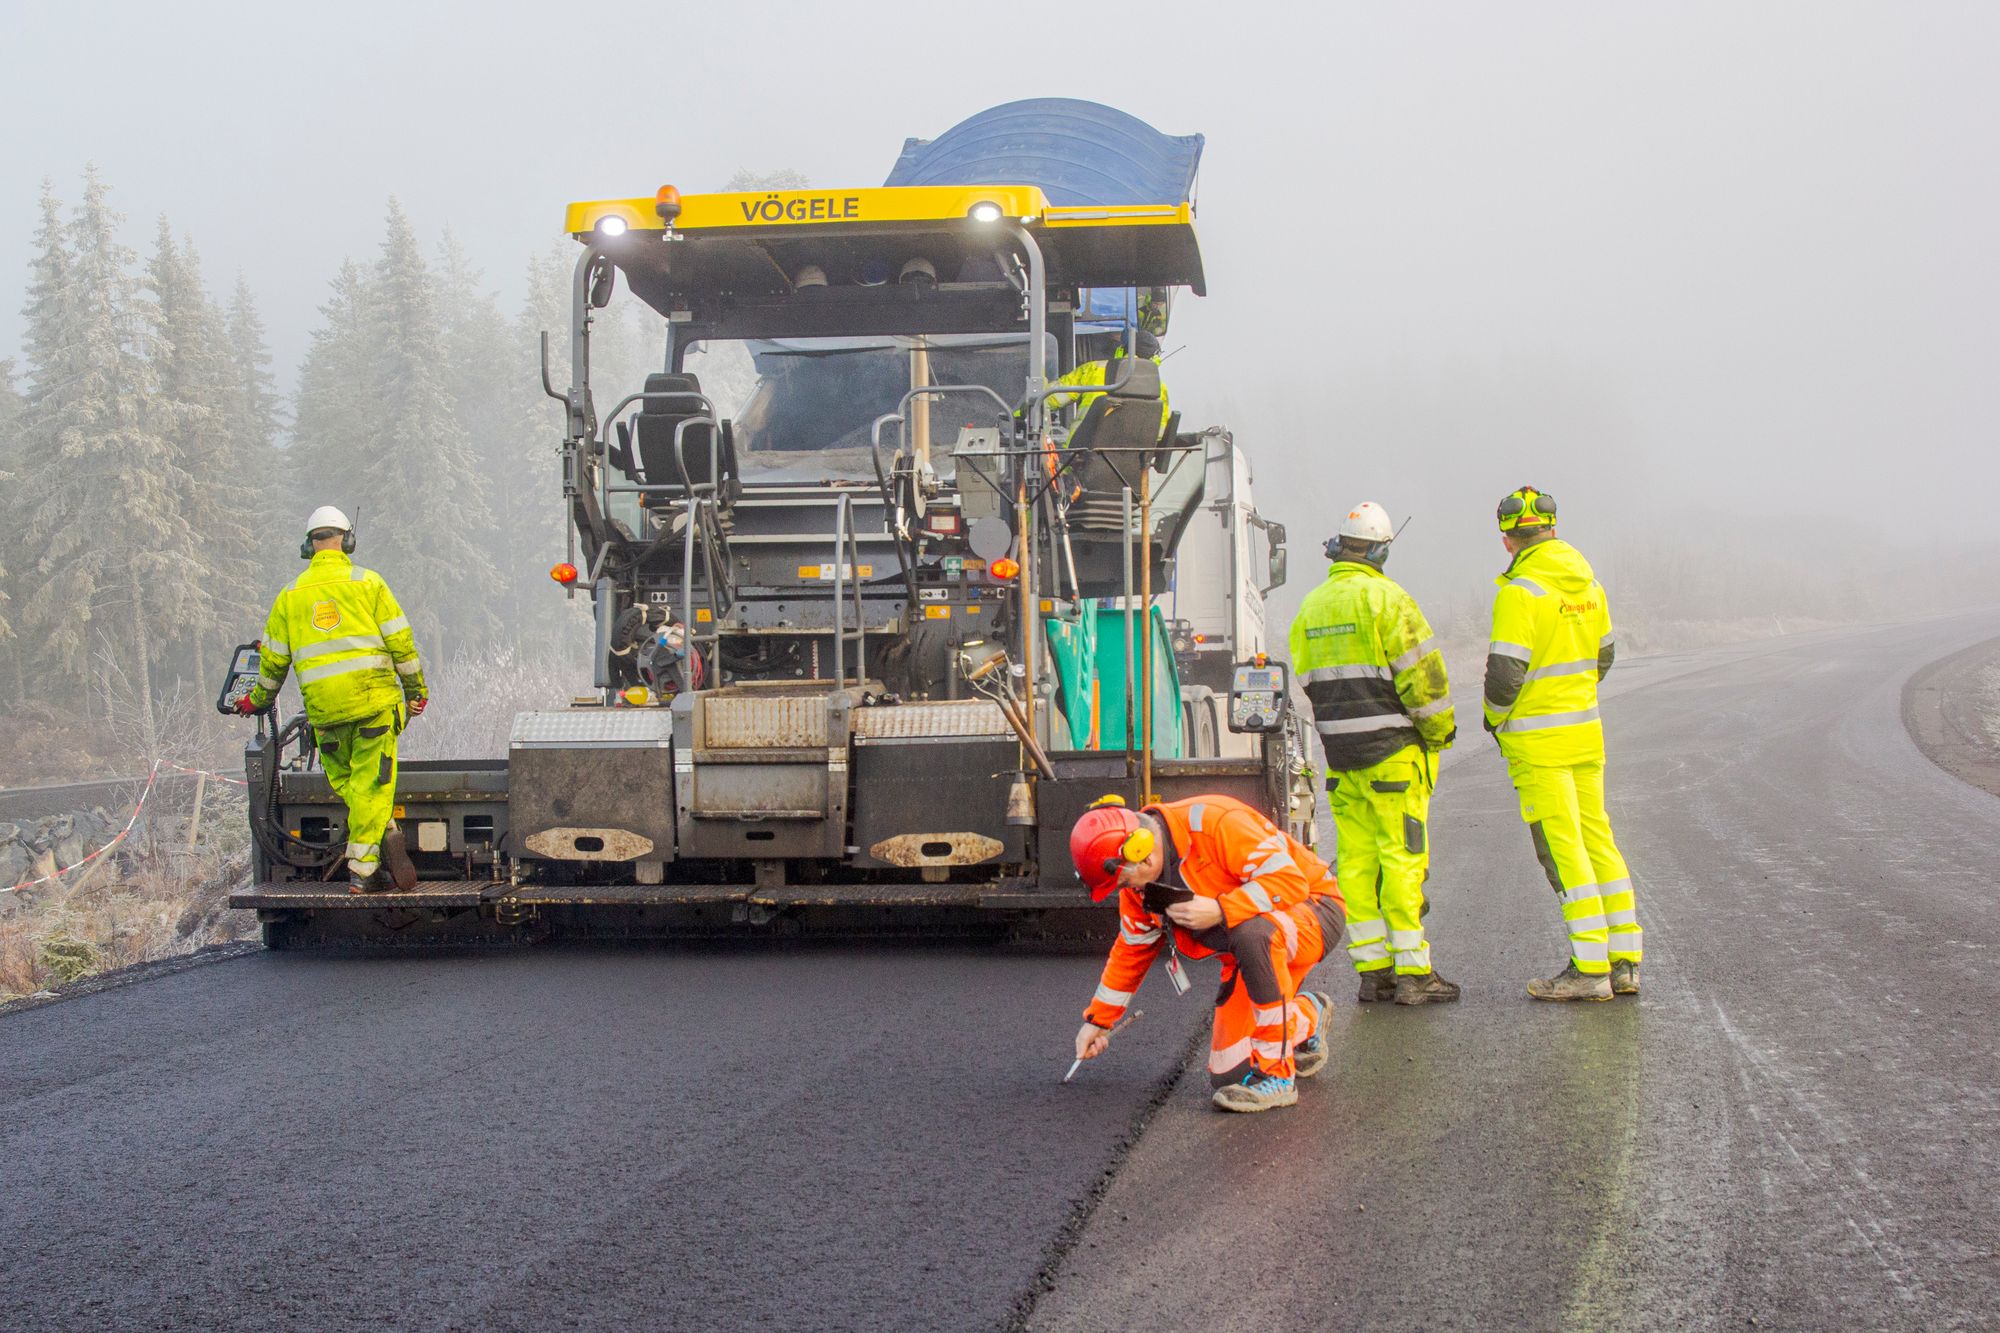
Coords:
pixel 721 593
pixel 843 535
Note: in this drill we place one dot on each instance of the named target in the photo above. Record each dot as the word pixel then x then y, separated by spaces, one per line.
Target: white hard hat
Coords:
pixel 1368 522
pixel 326 516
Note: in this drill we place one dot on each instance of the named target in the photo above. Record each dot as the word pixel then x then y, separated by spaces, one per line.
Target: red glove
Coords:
pixel 244 707
pixel 418 704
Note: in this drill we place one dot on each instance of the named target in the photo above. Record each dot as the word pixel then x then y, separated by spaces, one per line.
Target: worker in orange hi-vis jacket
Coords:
pixel 1210 875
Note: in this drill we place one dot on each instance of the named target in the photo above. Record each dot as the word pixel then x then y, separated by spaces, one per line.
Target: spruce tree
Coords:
pixel 482 367
pixel 426 503
pixel 335 406
pixel 116 568
pixel 46 311
pixel 11 408
pixel 262 417
pixel 200 410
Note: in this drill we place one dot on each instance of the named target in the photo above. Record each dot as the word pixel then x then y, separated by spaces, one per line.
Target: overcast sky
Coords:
pixel 1680 259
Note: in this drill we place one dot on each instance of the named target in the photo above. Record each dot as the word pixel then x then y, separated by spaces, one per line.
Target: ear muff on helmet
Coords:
pixel 1105 841
pixel 1138 846
pixel 1526 508
pixel 346 545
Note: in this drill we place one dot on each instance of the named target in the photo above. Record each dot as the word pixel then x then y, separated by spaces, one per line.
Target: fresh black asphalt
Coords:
pixel 1794 1125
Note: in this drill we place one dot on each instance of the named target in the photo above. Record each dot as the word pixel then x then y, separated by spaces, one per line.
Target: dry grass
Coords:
pixel 155 899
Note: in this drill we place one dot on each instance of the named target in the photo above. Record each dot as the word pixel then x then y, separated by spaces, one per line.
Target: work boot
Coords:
pixel 1424 988
pixel 372 882
pixel 1310 1056
pixel 396 858
pixel 1257 1092
pixel 1379 985
pixel 1570 984
pixel 1624 977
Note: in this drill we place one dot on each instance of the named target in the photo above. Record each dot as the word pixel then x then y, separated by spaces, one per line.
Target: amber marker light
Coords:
pixel 565 573
pixel 667 203
pixel 1004 568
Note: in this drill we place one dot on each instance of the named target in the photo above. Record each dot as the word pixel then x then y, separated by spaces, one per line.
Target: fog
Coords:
pixel 1722 277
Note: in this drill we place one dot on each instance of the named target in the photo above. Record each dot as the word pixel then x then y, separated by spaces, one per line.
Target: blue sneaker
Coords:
pixel 1257 1092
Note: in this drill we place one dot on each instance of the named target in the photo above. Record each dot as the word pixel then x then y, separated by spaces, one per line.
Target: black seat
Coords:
pixel 709 460
pixel 1126 415
pixel 1124 418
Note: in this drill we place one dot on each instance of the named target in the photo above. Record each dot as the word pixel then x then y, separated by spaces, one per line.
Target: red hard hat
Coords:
pixel 1096 845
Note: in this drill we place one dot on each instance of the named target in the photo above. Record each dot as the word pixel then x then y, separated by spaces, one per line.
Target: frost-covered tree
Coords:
pixel 116 568
pixel 425 502
pixel 11 408
pixel 483 368
pixel 200 410
pixel 262 420
pixel 335 404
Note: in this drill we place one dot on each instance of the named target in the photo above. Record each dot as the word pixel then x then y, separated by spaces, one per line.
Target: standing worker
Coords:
pixel 1210 875
pixel 1551 645
pixel 359 672
pixel 1382 706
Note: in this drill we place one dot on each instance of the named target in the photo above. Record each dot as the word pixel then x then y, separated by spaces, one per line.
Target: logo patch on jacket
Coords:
pixel 325 617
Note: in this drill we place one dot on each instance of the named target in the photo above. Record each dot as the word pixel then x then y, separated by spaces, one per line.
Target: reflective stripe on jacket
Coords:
pixel 1366 658
pixel 1551 645
pixel 338 626
pixel 1227 851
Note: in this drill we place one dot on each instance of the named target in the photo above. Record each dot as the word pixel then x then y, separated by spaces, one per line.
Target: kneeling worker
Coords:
pixel 1210 875
pixel 339 625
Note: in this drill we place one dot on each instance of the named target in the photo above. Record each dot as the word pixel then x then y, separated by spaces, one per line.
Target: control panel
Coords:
pixel 1259 693
pixel 244 664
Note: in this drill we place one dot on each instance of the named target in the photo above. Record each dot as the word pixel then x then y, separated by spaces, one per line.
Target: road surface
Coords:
pixel 1795 1124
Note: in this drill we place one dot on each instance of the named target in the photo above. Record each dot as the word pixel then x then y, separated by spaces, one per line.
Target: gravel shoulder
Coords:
pixel 1952 711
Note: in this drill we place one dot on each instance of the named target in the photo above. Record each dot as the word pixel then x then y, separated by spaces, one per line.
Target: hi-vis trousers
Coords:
pixel 1564 809
pixel 360 762
pixel 1382 857
pixel 1260 1017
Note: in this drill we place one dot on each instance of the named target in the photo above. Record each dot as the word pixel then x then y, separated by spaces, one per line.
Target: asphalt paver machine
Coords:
pixel 879 606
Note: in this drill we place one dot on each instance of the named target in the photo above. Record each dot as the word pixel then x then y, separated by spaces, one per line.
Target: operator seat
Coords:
pixel 652 458
pixel 1123 418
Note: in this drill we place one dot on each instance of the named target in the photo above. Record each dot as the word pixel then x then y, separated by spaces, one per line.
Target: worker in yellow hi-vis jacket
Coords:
pixel 1551 645
pixel 1381 702
pixel 339 627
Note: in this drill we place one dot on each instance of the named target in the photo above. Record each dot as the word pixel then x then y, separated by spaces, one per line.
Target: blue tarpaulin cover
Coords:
pixel 1078 153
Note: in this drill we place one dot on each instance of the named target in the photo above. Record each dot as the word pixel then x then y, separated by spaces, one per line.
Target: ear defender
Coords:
pixel 346 545
pixel 1526 507
pixel 1136 846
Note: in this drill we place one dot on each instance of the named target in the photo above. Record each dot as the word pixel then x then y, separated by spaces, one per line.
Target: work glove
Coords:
pixel 245 707
pixel 418 704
